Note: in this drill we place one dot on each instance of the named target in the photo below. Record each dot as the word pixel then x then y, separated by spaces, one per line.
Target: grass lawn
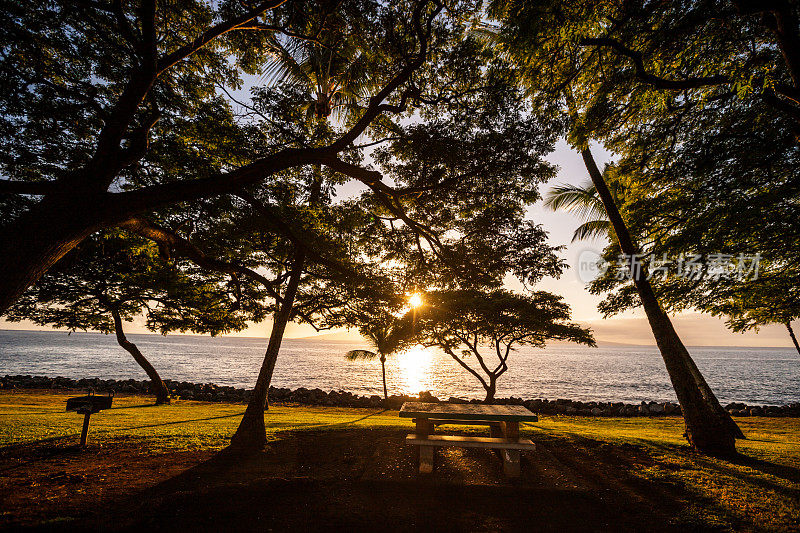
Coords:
pixel 645 459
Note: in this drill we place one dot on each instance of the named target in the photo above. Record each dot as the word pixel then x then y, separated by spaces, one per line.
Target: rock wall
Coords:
pixel 209 392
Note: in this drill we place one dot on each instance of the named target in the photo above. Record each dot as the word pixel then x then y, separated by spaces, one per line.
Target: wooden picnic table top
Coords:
pixel 467 411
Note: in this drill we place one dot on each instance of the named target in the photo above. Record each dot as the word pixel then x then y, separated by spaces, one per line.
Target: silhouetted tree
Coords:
pixel 110 129
pixel 488 326
pixel 548 43
pixel 111 278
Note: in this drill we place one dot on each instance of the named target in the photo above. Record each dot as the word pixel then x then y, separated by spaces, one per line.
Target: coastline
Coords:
pixel 210 392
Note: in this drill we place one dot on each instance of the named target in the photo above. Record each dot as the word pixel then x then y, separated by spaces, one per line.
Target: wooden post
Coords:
pixel 425 428
pixel 511 463
pixel 511 458
pixel 511 430
pixel 85 430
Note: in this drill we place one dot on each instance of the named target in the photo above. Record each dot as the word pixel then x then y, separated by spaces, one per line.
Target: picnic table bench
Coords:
pixel 503 422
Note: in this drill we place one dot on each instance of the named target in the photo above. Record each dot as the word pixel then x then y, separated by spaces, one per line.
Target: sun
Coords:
pixel 415 301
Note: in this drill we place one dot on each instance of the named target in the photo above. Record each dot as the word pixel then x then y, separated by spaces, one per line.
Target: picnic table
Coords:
pixel 503 422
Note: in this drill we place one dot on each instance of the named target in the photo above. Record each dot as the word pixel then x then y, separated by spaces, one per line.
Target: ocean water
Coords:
pixel 626 373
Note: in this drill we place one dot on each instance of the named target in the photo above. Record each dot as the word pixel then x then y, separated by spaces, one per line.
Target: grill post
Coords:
pixel 85 430
pixel 86 406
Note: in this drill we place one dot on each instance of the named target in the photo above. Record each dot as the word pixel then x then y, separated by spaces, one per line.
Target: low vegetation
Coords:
pixel 648 456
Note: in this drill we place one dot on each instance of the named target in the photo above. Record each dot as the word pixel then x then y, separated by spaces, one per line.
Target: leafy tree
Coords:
pixel 752 305
pixel 312 280
pixel 548 44
pixel 84 86
pixel 265 238
pixel 710 164
pixel 464 173
pixel 728 193
pixel 134 122
pixel 322 76
pixel 465 108
pixel 470 325
pixel 110 279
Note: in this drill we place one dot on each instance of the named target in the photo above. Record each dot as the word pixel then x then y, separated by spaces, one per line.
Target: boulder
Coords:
pixel 426 396
pixel 453 399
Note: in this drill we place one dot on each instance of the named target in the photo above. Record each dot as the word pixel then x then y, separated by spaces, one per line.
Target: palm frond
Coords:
pixel 581 200
pixel 288 64
pixel 592 229
pixel 355 355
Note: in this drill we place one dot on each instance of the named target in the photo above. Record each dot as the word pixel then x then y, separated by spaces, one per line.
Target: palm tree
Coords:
pixel 708 426
pixel 388 336
pixel 584 202
pixel 336 76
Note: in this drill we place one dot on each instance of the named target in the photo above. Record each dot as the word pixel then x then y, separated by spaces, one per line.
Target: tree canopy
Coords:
pixel 469 325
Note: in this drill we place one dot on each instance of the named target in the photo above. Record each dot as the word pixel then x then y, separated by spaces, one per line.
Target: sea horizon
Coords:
pixel 322 337
pixel 631 374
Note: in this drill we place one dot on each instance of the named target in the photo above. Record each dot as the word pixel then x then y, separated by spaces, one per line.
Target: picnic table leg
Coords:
pixel 496 431
pixel 425 428
pixel 511 458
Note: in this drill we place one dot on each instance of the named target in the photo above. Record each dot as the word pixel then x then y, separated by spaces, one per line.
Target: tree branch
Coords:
pixel 36 188
pixel 212 33
pixel 692 82
pixel 376 106
pixel 171 241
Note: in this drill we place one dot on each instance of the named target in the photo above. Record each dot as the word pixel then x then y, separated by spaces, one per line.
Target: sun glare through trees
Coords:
pixel 299 262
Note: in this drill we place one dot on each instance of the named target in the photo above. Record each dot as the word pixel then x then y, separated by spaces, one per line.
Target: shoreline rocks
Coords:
pixel 210 392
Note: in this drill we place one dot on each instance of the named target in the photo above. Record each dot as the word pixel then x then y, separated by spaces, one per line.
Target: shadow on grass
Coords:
pixel 41 454
pixel 711 495
pixel 727 466
pixel 333 425
pixel 137 406
pixel 366 480
pixel 172 423
pixel 37 445
pixel 46 453
pixel 789 473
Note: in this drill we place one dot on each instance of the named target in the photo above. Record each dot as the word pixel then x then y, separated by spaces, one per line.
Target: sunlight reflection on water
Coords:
pixel 415 369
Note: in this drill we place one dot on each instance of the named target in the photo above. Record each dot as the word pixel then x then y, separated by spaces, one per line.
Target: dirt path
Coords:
pixel 350 480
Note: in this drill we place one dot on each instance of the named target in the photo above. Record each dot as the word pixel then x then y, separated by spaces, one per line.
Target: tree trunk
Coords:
pixel 491 389
pixel 709 428
pixel 385 390
pixel 157 386
pixel 252 433
pixel 791 334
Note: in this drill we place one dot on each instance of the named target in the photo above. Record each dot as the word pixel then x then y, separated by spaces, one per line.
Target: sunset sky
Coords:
pixel 629 328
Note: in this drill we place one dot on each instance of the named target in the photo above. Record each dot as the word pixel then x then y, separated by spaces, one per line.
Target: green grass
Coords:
pixel 759 492
pixel 27 417
pixel 768 439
